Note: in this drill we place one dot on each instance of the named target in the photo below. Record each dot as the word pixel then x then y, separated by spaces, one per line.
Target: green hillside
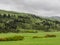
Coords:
pixel 13 22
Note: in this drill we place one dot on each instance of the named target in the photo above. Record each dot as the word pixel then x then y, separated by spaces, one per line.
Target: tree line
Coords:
pixel 15 22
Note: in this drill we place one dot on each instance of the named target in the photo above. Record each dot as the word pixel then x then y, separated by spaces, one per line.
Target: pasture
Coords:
pixel 28 40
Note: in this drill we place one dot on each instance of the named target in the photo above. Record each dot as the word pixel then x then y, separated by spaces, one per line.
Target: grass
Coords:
pixel 30 41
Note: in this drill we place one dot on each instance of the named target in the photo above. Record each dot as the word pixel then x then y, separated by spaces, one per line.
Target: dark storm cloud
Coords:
pixel 38 7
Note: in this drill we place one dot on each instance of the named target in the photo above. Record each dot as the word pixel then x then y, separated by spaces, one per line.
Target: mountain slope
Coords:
pixel 14 22
pixel 55 18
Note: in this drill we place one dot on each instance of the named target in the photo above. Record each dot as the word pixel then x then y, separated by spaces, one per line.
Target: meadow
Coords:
pixel 28 40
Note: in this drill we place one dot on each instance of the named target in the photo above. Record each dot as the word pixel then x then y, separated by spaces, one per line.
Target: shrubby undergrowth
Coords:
pixel 14 38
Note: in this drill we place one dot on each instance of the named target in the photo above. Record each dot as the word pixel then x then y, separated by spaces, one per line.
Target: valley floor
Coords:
pixel 28 40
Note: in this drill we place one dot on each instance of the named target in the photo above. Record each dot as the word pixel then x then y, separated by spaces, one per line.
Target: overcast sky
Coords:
pixel 38 7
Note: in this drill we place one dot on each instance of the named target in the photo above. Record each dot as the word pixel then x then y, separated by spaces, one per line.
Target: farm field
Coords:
pixel 28 40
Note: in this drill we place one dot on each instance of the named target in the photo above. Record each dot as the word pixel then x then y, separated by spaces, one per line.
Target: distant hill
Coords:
pixel 11 21
pixel 55 18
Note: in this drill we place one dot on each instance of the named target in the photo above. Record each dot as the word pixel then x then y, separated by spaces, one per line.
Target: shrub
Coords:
pixel 37 37
pixel 29 31
pixel 14 38
pixel 18 38
pixel 48 35
pixel 3 39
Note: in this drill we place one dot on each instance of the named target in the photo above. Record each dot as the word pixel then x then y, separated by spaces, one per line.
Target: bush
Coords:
pixel 37 37
pixel 29 31
pixel 18 38
pixel 14 38
pixel 3 39
pixel 48 35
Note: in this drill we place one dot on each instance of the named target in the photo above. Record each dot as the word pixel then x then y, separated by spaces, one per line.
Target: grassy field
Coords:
pixel 28 40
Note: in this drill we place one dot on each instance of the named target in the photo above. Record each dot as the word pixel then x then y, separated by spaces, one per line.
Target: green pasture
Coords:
pixel 28 40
